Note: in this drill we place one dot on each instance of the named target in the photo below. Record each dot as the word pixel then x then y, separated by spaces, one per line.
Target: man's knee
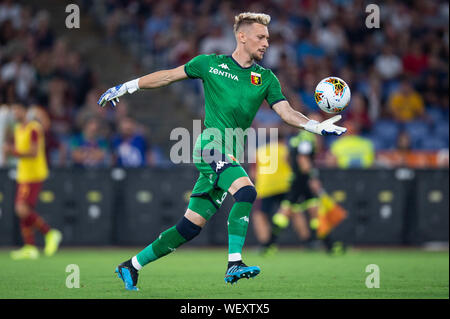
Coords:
pixel 22 210
pixel 187 229
pixel 246 194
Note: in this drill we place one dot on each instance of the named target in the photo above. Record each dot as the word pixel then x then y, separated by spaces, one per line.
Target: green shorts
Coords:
pixel 217 172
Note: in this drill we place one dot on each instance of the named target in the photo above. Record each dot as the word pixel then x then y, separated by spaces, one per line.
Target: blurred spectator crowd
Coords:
pixel 398 73
pixel 43 71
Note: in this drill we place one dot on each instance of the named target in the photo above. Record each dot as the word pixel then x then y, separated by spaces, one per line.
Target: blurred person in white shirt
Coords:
pixel 388 65
pixel 6 121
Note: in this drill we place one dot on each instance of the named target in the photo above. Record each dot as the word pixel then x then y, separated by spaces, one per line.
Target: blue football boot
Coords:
pixel 128 274
pixel 240 270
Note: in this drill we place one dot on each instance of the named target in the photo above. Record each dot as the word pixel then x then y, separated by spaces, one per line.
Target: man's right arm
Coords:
pixel 10 149
pixel 162 78
pixel 150 81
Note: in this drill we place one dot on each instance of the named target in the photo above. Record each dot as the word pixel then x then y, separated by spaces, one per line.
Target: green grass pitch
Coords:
pixel 191 273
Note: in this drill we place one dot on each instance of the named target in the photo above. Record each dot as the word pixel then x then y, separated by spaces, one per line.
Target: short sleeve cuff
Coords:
pixel 275 102
pixel 187 73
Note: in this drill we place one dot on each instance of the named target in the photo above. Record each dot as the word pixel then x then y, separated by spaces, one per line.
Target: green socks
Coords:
pixel 238 220
pixel 167 242
pixel 185 230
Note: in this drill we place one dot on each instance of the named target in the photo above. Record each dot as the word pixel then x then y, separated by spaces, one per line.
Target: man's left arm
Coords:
pixel 297 119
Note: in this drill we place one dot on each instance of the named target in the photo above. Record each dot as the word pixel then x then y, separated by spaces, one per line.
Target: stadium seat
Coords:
pixel 387 131
pixel 441 129
pixel 435 114
pixel 418 131
pixel 379 143
pixel 433 143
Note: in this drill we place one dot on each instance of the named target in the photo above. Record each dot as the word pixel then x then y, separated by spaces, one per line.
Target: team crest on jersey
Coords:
pixel 256 78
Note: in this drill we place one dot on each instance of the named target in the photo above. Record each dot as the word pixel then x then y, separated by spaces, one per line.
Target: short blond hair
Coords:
pixel 249 18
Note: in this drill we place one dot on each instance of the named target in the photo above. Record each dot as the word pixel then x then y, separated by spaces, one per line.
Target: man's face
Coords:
pixel 405 88
pixel 127 127
pixel 256 40
pixel 19 112
pixel 91 128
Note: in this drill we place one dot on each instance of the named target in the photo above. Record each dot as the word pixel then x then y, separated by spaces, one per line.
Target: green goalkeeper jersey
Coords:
pixel 233 95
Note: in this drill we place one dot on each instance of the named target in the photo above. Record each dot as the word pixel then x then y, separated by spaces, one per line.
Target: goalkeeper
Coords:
pixel 234 86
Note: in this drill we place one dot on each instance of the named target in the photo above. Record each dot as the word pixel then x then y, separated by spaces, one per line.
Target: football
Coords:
pixel 332 95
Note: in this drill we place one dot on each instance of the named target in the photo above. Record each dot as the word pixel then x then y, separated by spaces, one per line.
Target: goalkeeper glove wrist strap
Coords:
pixel 132 86
pixel 311 126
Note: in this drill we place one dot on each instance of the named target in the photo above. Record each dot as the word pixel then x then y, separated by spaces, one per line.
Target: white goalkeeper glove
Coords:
pixel 112 95
pixel 326 127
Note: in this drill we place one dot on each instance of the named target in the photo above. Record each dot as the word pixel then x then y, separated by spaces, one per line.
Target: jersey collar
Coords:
pixel 237 63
